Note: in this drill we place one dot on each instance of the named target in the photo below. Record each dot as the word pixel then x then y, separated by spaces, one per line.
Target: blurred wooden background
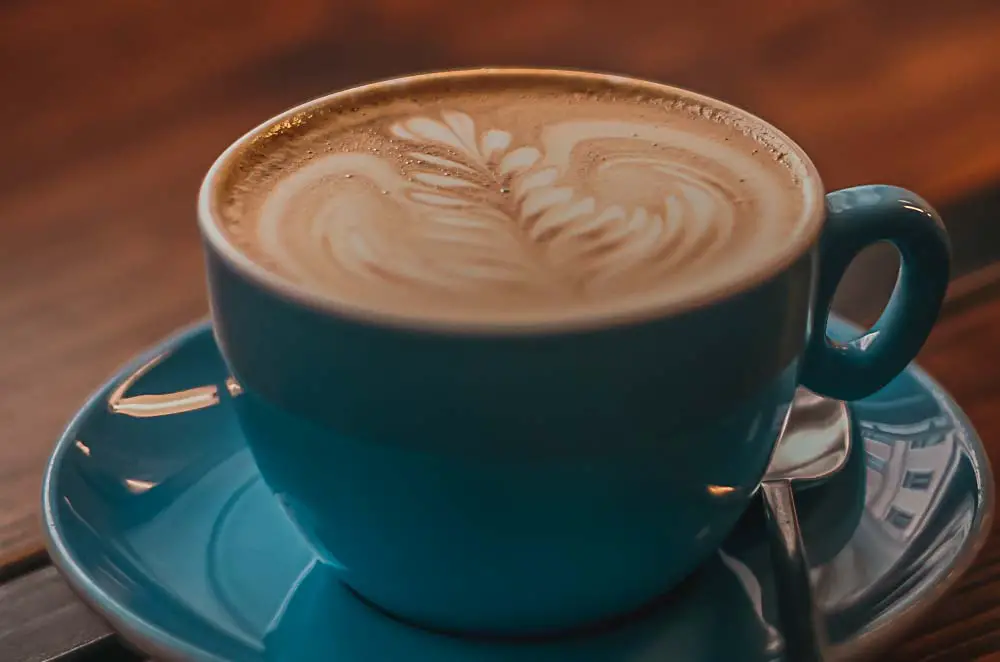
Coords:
pixel 111 111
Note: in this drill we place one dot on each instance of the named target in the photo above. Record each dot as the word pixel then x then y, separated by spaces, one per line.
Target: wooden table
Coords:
pixel 113 109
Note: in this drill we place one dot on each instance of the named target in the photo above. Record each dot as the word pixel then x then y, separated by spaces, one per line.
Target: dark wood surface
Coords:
pixel 59 625
pixel 113 109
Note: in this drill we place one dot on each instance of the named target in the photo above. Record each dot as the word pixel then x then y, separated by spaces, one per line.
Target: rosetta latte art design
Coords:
pixel 587 209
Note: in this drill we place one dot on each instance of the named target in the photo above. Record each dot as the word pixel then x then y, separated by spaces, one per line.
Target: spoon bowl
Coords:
pixel 816 443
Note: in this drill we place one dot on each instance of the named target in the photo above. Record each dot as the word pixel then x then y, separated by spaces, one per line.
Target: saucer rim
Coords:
pixel 139 632
pixel 152 639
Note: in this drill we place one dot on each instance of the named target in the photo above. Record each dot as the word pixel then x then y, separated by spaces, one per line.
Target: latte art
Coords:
pixel 515 206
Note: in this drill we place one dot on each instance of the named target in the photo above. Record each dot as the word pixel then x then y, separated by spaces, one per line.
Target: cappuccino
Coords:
pixel 507 196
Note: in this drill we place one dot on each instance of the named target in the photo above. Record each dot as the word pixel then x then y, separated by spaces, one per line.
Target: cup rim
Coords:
pixel 807 229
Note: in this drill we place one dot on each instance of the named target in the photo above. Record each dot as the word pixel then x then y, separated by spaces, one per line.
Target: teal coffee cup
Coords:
pixel 556 421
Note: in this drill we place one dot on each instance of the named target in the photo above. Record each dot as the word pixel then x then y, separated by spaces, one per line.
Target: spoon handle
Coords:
pixel 802 627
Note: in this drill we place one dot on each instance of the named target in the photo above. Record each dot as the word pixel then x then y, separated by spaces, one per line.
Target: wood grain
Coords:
pixel 113 109
pixel 42 621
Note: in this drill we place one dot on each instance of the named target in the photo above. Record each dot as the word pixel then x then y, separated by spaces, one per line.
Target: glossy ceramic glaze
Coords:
pixel 512 479
pixel 157 515
pixel 512 483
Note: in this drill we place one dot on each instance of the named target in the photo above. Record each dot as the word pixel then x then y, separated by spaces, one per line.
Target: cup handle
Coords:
pixel 856 218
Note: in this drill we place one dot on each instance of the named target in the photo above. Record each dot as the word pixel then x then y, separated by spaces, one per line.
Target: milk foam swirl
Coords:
pixel 478 215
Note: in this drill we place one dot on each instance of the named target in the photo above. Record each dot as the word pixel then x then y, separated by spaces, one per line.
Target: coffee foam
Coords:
pixel 527 201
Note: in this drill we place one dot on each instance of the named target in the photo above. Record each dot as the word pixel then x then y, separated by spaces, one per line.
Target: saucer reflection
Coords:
pixel 915 519
pixel 153 405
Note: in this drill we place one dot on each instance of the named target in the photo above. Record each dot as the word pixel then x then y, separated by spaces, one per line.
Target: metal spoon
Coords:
pixel 816 445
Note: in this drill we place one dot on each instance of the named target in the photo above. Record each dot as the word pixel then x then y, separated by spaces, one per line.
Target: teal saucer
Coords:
pixel 157 516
